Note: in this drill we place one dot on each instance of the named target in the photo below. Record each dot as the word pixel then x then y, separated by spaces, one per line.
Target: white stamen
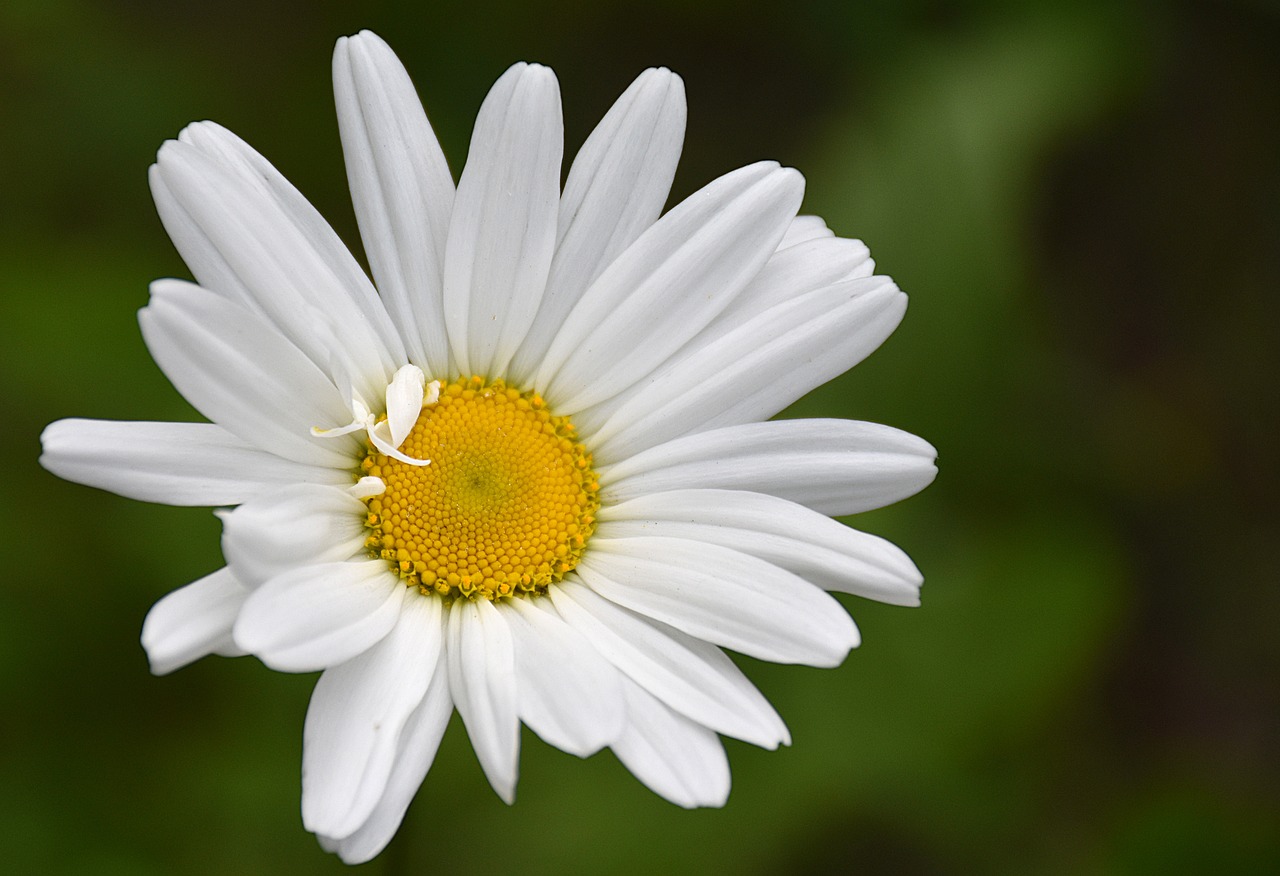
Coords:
pixel 432 394
pixel 407 394
pixel 404 401
pixel 380 435
pixel 337 431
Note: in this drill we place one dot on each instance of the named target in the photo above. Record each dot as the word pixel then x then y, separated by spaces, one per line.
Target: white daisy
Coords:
pixel 531 476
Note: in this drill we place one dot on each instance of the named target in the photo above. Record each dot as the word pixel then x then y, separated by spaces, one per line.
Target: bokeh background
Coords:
pixel 1083 201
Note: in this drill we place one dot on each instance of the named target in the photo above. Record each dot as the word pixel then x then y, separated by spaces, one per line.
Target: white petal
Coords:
pixel 319 616
pixel 833 466
pixel 173 463
pixel 416 750
pixel 284 255
pixel 669 284
pixel 356 716
pixel 404 402
pixel 401 188
pixel 792 272
pixel 206 263
pixel 754 371
pixel 565 691
pixel 193 621
pixel 677 759
pixel 788 280
pixel 723 596
pixel 691 676
pixel 503 229
pixel 295 526
pixel 242 374
pixel 804 228
pixel 342 287
pixel 815 547
pixel 616 188
pixel 482 682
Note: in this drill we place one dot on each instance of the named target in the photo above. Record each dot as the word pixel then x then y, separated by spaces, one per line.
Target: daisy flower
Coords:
pixel 528 471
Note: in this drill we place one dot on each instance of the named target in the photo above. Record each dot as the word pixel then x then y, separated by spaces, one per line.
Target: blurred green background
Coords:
pixel 1083 201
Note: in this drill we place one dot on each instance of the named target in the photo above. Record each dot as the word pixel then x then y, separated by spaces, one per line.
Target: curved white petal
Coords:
pixel 405 397
pixel 804 228
pixel 296 526
pixel 668 285
pixel 414 753
pixel 318 616
pixel 401 188
pixel 691 676
pixel 172 463
pixel 503 229
pixel 616 188
pixel 207 264
pixel 284 256
pixel 482 682
pixel 833 466
pixel 722 596
pixel 791 272
pixel 803 541
pixel 357 713
pixel 677 759
pixel 792 281
pixel 242 374
pixel 193 621
pixel 754 371
pixel 565 691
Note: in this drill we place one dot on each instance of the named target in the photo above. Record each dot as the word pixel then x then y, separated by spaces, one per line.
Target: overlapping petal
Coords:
pixel 722 596
pixel 297 526
pixel 173 463
pixel 357 714
pixel 615 190
pixel 243 375
pixel 415 752
pixel 503 230
pixel 317 616
pixel 227 207
pixel 688 674
pixel 401 188
pixel 676 758
pixel 812 545
pixel 833 466
pixel 753 371
pixel 804 228
pixel 566 692
pixel 193 621
pixel 794 271
pixel 668 285
pixel 482 683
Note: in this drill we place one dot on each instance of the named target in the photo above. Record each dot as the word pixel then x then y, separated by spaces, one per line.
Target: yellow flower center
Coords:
pixel 505 507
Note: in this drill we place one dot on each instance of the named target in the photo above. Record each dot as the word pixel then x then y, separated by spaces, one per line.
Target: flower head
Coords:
pixel 528 471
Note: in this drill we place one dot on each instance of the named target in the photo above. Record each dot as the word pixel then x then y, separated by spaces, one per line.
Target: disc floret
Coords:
pixel 505 507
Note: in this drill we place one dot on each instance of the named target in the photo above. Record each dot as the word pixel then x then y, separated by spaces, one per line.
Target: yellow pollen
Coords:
pixel 506 506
